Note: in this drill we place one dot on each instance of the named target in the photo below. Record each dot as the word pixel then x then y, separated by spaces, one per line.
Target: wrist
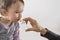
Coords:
pixel 43 31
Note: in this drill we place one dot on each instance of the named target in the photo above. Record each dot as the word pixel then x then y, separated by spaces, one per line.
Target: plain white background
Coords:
pixel 46 12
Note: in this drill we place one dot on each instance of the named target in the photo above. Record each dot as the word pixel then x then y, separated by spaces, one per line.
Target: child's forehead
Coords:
pixel 17 6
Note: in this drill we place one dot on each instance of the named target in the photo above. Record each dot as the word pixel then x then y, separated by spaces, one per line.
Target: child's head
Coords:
pixel 12 9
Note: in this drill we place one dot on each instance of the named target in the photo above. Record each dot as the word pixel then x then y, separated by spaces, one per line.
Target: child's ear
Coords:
pixel 3 11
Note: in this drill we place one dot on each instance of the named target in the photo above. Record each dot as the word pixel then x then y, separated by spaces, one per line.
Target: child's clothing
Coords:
pixel 10 33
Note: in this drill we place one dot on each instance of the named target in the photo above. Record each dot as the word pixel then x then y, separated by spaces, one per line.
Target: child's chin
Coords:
pixel 16 20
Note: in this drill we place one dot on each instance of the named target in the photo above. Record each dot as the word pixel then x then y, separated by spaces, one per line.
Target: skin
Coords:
pixel 35 26
pixel 13 14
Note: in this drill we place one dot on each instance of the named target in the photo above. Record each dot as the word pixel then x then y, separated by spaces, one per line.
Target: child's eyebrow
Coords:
pixel 19 11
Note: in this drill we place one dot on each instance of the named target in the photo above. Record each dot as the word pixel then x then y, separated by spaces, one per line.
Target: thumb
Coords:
pixel 29 29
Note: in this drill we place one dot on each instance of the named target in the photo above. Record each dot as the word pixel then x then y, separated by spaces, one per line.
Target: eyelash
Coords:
pixel 17 12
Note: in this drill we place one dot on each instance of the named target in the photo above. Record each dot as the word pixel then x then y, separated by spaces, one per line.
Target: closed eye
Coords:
pixel 19 11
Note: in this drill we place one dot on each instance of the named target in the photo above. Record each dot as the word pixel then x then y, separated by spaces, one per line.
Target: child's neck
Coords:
pixel 5 21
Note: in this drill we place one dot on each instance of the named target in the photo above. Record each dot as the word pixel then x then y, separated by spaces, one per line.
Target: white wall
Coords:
pixel 46 12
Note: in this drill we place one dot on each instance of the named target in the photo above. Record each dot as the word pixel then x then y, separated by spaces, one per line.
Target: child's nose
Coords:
pixel 17 15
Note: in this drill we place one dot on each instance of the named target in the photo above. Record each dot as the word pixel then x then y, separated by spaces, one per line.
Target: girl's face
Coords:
pixel 14 12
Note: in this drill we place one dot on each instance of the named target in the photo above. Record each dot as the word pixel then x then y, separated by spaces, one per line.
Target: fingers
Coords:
pixel 32 21
pixel 33 29
pixel 30 29
pixel 26 20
